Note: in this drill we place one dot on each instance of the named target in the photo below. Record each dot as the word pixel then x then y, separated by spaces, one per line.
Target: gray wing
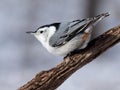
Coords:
pixel 69 30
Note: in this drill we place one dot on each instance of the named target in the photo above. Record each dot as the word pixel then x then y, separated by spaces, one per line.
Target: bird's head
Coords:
pixel 44 33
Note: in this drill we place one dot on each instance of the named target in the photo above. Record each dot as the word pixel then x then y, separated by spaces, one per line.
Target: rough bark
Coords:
pixel 51 79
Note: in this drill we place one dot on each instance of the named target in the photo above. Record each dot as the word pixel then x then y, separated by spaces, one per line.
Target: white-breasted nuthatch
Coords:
pixel 63 38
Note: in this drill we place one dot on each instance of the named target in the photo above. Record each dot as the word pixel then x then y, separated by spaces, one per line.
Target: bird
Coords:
pixel 62 38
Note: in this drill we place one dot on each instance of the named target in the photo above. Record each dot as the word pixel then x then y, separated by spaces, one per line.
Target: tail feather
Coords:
pixel 102 15
pixel 92 22
pixel 98 18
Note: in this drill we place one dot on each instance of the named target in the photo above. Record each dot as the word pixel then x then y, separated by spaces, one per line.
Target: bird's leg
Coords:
pixel 73 52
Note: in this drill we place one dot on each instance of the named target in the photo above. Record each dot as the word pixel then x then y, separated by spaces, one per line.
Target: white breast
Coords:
pixel 65 49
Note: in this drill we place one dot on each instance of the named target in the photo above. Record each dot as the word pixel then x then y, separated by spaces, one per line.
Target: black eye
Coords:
pixel 41 32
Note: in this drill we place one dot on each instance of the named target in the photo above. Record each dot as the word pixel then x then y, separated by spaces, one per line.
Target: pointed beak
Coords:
pixel 31 32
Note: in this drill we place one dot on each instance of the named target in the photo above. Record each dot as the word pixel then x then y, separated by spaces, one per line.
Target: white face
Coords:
pixel 43 34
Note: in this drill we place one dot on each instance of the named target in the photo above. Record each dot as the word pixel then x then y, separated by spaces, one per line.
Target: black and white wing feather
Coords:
pixel 69 30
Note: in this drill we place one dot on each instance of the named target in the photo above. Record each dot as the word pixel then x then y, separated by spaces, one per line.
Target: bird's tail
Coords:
pixel 98 18
pixel 91 22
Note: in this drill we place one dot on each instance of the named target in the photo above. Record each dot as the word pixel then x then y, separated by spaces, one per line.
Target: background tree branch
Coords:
pixel 51 79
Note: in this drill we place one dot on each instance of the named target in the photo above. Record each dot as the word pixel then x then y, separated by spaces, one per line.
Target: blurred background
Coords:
pixel 22 56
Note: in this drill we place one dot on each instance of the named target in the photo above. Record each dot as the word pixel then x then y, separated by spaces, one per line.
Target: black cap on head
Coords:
pixel 48 25
pixel 55 24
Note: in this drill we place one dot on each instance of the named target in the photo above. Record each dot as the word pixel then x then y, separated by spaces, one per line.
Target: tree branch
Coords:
pixel 51 79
